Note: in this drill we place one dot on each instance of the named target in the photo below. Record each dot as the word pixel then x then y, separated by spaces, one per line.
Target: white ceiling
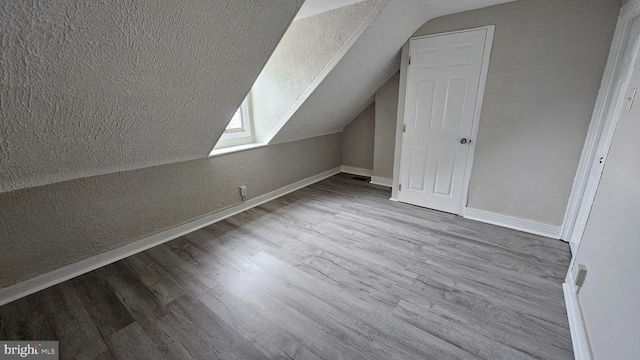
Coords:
pixel 315 7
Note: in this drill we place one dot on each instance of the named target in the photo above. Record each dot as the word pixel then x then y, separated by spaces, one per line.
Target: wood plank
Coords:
pixel 334 270
pixel 355 318
pixel 132 343
pixel 270 339
pixel 214 339
pixel 74 327
pixel 101 303
pixel 154 278
pixel 146 308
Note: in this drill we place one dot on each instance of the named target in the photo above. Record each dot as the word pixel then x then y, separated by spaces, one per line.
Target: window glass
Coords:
pixel 236 122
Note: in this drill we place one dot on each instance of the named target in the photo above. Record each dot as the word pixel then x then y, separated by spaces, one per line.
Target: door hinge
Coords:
pixel 404 127
pixel 409 60
pixel 399 187
pixel 631 98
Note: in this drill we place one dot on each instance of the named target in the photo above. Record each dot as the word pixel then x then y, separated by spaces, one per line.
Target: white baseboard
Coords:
pixel 579 339
pixel 512 222
pixel 573 247
pixel 30 286
pixel 356 171
pixel 382 181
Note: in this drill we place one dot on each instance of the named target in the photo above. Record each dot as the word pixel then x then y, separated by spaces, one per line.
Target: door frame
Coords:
pixel 484 70
pixel 600 134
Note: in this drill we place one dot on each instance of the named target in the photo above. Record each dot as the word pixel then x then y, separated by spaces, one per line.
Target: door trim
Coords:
pixel 484 70
pixel 488 43
pixel 603 122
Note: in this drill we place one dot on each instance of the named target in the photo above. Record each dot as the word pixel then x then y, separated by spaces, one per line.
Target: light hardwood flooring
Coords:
pixel 332 271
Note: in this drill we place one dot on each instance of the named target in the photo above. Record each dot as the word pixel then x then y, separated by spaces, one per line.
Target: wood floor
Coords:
pixel 332 271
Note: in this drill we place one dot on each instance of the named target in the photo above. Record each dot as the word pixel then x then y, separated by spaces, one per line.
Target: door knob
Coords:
pixel 464 141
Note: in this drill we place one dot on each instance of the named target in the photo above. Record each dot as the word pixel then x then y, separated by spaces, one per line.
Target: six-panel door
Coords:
pixel 442 87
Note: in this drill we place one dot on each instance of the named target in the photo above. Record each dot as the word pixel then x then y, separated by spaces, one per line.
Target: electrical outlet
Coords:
pixel 243 190
pixel 579 275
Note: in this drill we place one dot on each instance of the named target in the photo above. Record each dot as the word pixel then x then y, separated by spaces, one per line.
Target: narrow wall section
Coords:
pixel 357 140
pixel 385 134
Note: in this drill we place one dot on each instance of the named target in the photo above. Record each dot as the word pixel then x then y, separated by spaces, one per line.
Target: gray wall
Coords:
pixel 386 101
pixel 357 140
pixel 95 87
pixel 50 226
pixel 611 245
pixel 546 64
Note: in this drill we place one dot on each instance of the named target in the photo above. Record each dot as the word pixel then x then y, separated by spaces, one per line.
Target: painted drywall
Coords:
pixel 386 101
pixel 545 69
pixel 95 87
pixel 610 247
pixel 44 228
pixel 308 50
pixel 350 86
pixel 357 140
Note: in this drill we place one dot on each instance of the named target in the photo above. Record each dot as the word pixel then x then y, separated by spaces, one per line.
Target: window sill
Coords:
pixel 234 149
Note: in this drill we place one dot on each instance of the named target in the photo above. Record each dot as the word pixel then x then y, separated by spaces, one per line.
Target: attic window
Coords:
pixel 236 123
pixel 238 130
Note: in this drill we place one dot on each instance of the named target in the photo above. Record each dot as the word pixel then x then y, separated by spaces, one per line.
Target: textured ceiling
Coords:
pixel 305 56
pixel 371 61
pixel 93 87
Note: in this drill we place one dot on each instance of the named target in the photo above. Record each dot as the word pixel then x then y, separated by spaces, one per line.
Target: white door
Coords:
pixel 441 106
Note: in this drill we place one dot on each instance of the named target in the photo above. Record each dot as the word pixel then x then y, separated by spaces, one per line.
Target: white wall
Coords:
pixel 94 87
pixel 544 74
pixel 611 245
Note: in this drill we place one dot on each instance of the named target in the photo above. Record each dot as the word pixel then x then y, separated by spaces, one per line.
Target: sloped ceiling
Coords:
pixel 306 54
pixel 91 87
pixel 372 60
